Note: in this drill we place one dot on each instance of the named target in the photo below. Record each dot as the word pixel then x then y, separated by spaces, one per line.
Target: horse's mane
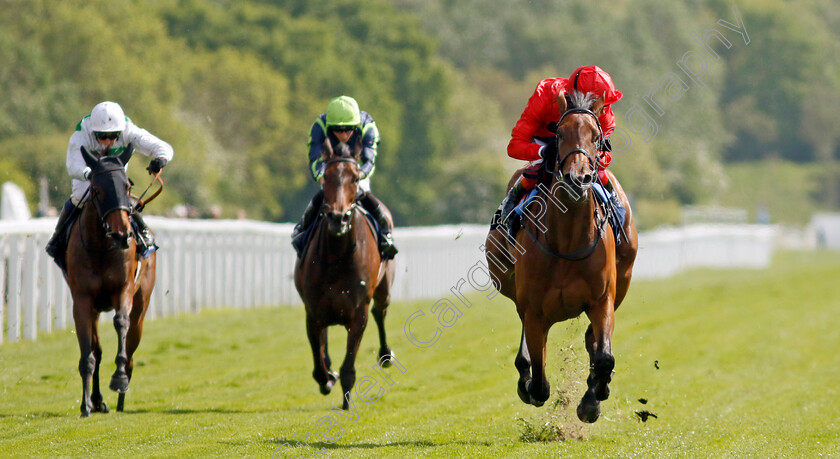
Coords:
pixel 577 99
pixel 343 150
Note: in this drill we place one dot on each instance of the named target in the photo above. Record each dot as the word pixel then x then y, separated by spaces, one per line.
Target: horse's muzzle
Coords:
pixel 123 240
pixel 339 223
pixel 580 183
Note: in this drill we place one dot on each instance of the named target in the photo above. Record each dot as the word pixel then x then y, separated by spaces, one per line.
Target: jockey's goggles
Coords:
pixel 106 135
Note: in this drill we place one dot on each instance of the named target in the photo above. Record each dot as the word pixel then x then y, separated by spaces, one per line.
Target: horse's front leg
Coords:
pixel 355 330
pixel 523 365
pixel 317 335
pixel 87 361
pixel 119 381
pixel 601 361
pixel 535 338
pixel 96 399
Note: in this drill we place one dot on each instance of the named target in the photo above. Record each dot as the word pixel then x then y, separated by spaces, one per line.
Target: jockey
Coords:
pixel 341 123
pixel 533 138
pixel 106 132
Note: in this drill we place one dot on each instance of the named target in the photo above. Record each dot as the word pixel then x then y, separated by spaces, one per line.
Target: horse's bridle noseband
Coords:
pixel 594 161
pixel 342 159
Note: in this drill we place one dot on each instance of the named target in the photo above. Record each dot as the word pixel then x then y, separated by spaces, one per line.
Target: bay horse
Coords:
pixel 565 261
pixel 104 274
pixel 341 270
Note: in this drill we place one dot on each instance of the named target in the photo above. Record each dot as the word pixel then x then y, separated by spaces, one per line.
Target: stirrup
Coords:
pixel 386 247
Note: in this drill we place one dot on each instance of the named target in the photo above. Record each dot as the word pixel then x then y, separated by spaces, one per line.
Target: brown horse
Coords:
pixel 565 261
pixel 104 274
pixel 340 271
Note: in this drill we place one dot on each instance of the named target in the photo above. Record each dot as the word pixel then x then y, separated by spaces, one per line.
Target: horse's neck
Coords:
pixel 573 224
pixel 334 247
pixel 92 228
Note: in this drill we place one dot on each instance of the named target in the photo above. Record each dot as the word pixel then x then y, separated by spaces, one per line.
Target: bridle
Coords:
pixel 593 162
pixel 345 218
pixel 98 200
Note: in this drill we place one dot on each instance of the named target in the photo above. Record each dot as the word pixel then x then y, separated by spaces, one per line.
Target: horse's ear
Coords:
pixel 598 106
pixel 561 102
pixel 327 150
pixel 126 155
pixel 90 160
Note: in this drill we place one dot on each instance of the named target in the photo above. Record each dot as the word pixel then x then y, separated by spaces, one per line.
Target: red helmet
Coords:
pixel 594 79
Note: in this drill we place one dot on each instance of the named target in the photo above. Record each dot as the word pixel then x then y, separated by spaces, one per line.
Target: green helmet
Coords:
pixel 343 111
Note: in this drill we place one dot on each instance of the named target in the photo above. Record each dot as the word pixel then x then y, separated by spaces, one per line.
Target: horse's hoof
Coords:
pixel 119 383
pixel 588 410
pixel 85 415
pixel 385 358
pixel 531 400
pixel 101 407
pixel 332 377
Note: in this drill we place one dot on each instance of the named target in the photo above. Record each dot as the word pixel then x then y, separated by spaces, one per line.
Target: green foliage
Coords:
pixel 234 86
pixel 791 193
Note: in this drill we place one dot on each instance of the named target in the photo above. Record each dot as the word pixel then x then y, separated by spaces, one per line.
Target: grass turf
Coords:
pixel 731 363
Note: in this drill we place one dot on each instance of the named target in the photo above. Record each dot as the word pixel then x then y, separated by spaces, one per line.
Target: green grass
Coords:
pixel 747 366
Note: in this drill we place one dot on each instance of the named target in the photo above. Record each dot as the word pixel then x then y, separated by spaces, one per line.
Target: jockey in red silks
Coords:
pixel 534 137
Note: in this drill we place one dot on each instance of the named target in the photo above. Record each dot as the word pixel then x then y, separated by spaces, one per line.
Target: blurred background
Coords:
pixel 234 86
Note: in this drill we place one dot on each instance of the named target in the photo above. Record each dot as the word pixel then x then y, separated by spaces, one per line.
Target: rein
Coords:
pixel 141 204
pixel 577 255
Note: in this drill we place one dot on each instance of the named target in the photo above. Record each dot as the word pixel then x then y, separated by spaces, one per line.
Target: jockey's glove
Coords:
pixel 549 150
pixel 156 165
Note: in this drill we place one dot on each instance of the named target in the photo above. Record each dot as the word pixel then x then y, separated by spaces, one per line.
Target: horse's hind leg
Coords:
pixel 132 340
pixel 381 300
pixel 119 380
pixel 87 361
pixel 601 362
pixel 348 368
pixel 318 342
pixel 98 403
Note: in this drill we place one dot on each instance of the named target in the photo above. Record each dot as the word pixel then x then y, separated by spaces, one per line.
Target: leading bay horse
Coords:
pixel 341 270
pixel 565 261
pixel 104 274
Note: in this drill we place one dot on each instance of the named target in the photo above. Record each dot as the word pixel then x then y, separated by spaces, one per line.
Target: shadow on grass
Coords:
pixel 180 411
pixel 279 442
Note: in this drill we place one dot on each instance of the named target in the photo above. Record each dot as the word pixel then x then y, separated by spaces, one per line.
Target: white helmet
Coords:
pixel 107 117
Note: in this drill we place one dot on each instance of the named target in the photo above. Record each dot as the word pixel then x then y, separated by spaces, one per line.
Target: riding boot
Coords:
pixel 57 243
pixel 509 204
pixel 299 233
pixel 386 239
pixel 144 237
